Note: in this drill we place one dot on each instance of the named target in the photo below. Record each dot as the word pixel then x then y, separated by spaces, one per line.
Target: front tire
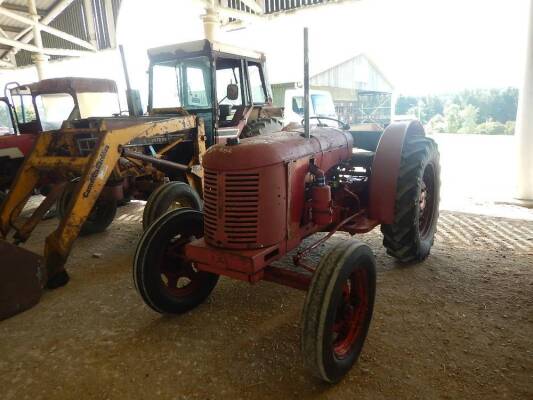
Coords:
pixel 338 310
pixel 167 197
pixel 167 282
pixel 410 237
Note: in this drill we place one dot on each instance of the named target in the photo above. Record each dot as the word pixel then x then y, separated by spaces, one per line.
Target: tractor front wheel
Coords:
pixel 167 197
pixel 338 310
pixel 410 237
pixel 165 279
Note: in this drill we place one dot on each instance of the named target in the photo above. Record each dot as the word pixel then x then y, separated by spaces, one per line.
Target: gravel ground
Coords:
pixel 460 325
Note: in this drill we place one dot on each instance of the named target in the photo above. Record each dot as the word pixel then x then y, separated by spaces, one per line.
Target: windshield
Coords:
pixel 53 109
pixel 323 105
pixel 99 104
pixel 184 84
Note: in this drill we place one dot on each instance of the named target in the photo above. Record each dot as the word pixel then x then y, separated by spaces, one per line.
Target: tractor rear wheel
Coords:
pixel 165 279
pixel 261 126
pixel 168 197
pixel 100 217
pixel 338 310
pixel 410 237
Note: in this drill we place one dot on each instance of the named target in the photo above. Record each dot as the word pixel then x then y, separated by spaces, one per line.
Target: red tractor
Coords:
pixel 264 195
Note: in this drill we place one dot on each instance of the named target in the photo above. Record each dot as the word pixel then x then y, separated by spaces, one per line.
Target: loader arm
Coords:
pixel 56 154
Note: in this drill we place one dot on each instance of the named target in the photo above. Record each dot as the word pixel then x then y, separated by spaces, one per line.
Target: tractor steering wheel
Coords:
pixel 343 125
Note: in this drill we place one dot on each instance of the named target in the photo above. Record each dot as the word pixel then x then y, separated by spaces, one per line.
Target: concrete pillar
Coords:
pixel 40 60
pixel 524 125
pixel 211 24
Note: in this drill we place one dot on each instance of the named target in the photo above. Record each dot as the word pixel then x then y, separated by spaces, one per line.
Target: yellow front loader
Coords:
pixel 97 158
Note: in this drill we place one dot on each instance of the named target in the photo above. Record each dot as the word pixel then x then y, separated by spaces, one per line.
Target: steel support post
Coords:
pixel 524 126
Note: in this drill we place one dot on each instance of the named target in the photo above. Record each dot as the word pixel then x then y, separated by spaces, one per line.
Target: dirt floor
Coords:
pixel 460 325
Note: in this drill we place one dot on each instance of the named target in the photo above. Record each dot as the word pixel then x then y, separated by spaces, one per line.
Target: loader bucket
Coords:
pixel 22 279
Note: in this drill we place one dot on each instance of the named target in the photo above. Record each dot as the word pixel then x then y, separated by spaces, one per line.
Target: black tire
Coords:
pixel 338 310
pixel 167 197
pixel 100 217
pixel 159 259
pixel 410 237
pixel 261 126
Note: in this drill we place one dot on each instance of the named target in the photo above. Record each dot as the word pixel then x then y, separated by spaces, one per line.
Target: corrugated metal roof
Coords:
pixel 71 20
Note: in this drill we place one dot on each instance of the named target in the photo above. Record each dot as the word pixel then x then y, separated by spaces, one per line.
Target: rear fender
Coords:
pixel 386 169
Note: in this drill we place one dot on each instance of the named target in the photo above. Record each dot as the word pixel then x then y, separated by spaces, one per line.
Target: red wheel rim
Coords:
pixel 179 276
pixel 427 201
pixel 351 313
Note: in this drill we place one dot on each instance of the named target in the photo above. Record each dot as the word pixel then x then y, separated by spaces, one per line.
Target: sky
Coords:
pixel 423 46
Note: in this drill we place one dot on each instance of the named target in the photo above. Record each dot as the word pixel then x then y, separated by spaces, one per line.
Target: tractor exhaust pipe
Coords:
pixel 133 97
pixel 307 132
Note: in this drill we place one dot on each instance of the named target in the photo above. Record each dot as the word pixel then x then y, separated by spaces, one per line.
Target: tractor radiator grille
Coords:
pixel 210 204
pixel 232 219
pixel 241 207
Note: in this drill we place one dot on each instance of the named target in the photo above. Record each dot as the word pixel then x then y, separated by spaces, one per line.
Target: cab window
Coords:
pixel 165 85
pixel 196 88
pixel 181 84
pixel 298 105
pixel 6 124
pixel 225 77
pixel 24 108
pixel 256 84
pixel 54 109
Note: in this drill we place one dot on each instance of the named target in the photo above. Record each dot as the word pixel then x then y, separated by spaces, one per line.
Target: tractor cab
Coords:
pixel 44 105
pixel 226 86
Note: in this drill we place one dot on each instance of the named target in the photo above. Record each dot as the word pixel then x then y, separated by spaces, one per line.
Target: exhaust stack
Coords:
pixel 133 97
pixel 307 132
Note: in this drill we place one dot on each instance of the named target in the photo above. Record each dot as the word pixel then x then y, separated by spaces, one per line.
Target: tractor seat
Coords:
pixel 224 111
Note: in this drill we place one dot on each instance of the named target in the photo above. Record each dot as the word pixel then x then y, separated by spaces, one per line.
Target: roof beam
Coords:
pixel 46 28
pixel 9 28
pixel 22 9
pixel 49 51
pixel 26 35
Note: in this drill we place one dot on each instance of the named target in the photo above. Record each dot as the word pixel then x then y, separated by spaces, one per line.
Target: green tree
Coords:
pixel 452 115
pixel 510 127
pixel 469 116
pixel 404 104
pixel 437 124
pixel 491 127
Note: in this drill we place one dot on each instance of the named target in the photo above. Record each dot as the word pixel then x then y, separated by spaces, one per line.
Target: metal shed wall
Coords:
pixel 357 73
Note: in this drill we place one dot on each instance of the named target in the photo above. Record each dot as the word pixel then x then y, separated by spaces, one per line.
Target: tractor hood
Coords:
pixel 279 147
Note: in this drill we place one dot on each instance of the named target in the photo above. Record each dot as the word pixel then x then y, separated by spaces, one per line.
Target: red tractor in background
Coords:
pixel 27 110
pixel 264 195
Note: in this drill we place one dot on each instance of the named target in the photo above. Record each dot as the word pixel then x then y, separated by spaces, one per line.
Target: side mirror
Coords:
pixel 232 91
